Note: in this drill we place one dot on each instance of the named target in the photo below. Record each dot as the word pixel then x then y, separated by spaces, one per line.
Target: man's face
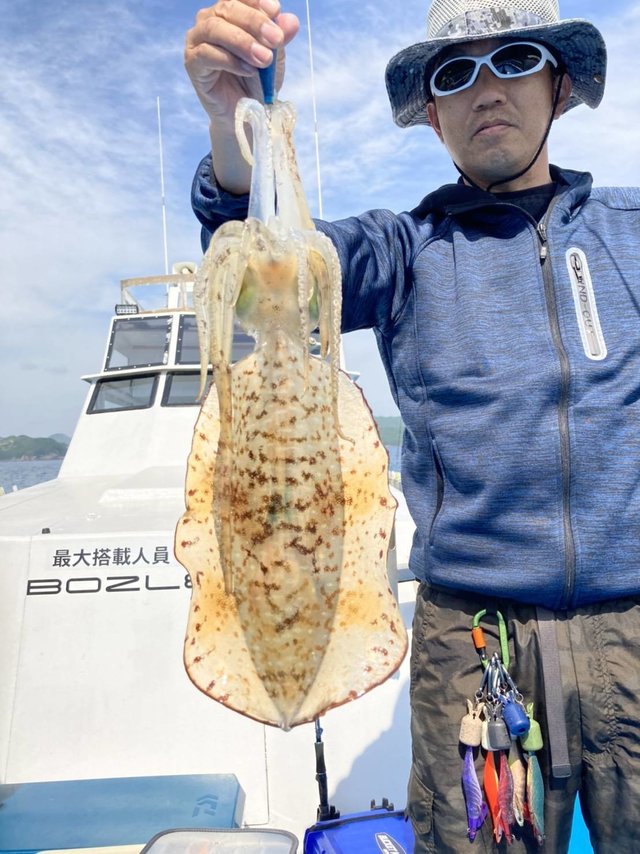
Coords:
pixel 493 128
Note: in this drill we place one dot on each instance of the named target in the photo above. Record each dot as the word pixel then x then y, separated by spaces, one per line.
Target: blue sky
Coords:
pixel 79 170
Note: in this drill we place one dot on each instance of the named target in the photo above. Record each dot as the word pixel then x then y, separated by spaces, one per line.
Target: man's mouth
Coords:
pixel 492 127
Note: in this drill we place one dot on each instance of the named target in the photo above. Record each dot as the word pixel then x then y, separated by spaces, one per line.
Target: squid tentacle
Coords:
pixel 262 198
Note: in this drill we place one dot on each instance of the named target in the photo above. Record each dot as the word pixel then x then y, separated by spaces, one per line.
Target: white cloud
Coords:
pixel 606 141
pixel 79 182
pixel 366 159
pixel 80 200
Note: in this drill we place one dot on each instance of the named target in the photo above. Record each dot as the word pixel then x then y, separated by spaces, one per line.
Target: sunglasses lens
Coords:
pixel 454 74
pixel 514 59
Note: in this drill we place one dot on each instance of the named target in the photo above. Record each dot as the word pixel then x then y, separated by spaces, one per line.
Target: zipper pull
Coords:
pixel 542 234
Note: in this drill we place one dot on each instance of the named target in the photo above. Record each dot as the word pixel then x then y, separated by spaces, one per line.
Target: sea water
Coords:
pixel 19 474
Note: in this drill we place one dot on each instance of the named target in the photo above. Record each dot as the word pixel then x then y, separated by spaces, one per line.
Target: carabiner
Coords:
pixel 479 642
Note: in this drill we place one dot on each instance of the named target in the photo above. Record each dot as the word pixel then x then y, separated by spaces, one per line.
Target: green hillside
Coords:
pixel 26 448
pixel 54 447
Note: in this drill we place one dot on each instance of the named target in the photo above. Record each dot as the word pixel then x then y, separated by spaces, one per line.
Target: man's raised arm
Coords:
pixel 229 42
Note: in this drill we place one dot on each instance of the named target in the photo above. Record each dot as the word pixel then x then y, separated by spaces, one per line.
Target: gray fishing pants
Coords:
pixel 599 654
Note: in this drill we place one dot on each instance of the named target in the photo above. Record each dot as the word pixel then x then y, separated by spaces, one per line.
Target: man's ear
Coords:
pixel 566 88
pixel 432 115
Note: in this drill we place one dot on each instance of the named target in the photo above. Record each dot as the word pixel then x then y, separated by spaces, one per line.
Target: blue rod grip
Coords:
pixel 268 80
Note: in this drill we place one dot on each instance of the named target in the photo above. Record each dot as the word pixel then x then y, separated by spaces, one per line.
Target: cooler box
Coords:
pixel 109 812
pixel 361 833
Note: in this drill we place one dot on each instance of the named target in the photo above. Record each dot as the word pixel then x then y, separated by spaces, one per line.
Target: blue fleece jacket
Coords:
pixel 513 353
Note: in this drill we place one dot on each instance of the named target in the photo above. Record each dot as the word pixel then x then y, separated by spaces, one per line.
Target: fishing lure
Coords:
pixel 498 789
pixel 490 785
pixel 477 809
pixel 535 797
pixel 505 796
pixel 519 776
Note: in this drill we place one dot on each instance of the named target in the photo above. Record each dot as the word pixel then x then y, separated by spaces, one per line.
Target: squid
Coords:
pixel 288 510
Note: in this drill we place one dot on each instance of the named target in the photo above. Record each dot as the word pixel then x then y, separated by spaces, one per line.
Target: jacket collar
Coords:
pixel 457 199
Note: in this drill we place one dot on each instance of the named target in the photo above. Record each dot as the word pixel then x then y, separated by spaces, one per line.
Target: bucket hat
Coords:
pixel 576 43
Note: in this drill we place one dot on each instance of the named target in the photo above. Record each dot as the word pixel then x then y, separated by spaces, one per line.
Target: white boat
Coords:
pixel 93 611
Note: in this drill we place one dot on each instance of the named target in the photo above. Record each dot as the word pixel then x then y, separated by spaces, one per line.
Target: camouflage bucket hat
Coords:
pixel 577 43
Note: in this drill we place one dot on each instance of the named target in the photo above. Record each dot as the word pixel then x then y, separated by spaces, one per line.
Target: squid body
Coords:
pixel 288 511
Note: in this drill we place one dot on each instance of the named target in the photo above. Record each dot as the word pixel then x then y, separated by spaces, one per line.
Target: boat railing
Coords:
pixel 152 293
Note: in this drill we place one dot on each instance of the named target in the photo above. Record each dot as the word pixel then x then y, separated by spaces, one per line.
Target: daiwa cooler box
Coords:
pixel 372 832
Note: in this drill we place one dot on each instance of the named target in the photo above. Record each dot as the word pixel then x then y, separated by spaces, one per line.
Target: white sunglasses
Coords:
pixel 514 59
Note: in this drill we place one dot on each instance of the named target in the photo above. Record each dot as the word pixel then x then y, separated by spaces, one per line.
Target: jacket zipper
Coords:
pixel 563 411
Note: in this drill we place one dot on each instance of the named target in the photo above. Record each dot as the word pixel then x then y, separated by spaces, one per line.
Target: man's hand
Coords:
pixel 229 42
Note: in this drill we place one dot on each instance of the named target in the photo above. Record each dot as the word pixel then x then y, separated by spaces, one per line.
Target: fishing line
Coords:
pixel 315 112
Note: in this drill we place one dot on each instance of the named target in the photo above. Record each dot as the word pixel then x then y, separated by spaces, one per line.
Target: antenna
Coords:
pixel 164 207
pixel 315 112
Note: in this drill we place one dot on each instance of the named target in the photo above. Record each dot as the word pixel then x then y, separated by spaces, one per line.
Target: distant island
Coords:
pixel 26 448
pixel 55 447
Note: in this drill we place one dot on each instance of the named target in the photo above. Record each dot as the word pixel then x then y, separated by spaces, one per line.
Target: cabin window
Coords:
pixel 182 390
pixel 115 395
pixel 138 342
pixel 188 351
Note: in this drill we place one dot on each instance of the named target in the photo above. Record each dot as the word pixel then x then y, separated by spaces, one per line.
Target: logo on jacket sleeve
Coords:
pixel 585 302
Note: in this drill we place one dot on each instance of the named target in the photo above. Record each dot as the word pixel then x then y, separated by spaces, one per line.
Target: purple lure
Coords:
pixel 476 808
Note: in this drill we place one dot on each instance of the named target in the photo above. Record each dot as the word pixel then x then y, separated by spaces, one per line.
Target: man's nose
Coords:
pixel 488 89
